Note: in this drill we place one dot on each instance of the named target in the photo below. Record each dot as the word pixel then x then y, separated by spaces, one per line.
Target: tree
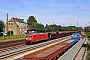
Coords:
pixel 53 27
pixel 71 28
pixel 32 22
pixel 59 28
pixel 87 29
pixel 1 25
pixel 39 26
pixel 50 27
pixel 80 28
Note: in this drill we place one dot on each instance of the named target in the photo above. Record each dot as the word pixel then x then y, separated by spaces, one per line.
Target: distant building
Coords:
pixel 17 25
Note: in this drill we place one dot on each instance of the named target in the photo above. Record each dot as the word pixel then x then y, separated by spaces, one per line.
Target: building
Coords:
pixel 17 25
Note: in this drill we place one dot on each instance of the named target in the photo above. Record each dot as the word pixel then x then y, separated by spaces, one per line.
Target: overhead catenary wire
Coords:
pixel 26 7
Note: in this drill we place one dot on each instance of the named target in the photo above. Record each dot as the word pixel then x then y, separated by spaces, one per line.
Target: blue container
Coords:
pixel 19 59
pixel 73 42
pixel 76 36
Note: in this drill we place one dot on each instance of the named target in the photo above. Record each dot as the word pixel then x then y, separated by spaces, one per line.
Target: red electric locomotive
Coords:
pixel 30 38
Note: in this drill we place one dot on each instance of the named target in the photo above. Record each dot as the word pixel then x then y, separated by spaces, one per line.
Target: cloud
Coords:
pixel 44 17
pixel 53 10
pixel 29 2
pixel 3 11
pixel 84 7
pixel 51 4
pixel 84 12
pixel 68 16
pixel 56 4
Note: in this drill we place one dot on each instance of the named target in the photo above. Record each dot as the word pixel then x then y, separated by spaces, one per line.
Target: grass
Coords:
pixel 88 52
pixel 13 37
pixel 88 55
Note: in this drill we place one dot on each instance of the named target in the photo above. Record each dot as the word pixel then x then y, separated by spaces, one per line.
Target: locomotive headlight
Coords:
pixel 26 38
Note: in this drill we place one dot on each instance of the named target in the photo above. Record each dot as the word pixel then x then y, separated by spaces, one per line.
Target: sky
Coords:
pixel 61 12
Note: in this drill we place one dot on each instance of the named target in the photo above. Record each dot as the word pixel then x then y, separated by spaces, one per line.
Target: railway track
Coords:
pixel 82 51
pixel 21 50
pixel 76 52
pixel 11 43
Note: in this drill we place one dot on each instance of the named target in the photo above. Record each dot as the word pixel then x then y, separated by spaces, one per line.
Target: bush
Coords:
pixel 10 32
pixel 1 34
pixel 88 55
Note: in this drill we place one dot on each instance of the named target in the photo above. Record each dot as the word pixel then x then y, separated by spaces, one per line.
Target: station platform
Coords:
pixel 70 54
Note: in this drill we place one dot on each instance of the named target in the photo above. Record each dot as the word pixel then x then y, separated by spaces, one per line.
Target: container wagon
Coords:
pixel 70 41
pixel 48 53
pixel 76 36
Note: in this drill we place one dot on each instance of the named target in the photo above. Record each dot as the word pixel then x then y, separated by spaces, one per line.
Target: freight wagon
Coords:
pixel 48 53
pixel 75 36
pixel 70 41
pixel 34 37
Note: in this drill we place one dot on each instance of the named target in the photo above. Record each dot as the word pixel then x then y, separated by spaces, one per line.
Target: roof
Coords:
pixel 16 20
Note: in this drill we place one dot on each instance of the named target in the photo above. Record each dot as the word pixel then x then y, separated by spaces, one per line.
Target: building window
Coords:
pixel 9 23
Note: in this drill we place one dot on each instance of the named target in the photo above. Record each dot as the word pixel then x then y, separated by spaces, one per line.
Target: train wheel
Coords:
pixel 36 41
pixel 27 43
pixel 31 43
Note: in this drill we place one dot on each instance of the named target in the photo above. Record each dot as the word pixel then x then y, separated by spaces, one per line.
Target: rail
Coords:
pixel 26 49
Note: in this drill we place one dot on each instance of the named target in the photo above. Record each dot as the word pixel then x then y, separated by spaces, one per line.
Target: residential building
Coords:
pixel 17 25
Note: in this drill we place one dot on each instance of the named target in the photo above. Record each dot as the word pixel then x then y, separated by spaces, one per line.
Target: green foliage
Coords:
pixel 13 37
pixel 87 34
pixel 32 22
pixel 1 25
pixel 61 28
pixel 87 29
pixel 88 55
pixel 53 27
pixel 49 27
pixel 39 26
pixel 10 33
